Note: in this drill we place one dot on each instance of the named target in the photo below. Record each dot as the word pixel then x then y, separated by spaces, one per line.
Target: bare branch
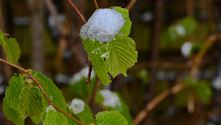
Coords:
pixel 178 87
pixel 96 4
pixel 77 10
pixel 131 4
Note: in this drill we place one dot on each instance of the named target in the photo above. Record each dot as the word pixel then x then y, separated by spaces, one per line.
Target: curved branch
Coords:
pixel 41 89
pixel 96 4
pixel 77 10
pixel 178 87
pixel 131 4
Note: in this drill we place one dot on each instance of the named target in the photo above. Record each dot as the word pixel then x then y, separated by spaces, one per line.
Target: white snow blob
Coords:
pixel 186 49
pixel 77 106
pixel 110 99
pixel 217 83
pixel 81 74
pixel 103 25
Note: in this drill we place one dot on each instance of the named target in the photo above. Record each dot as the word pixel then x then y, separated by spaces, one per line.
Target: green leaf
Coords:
pixel 11 48
pixel 95 51
pixel 51 89
pixel 2 38
pixel 54 117
pixel 111 58
pixel 110 118
pixel 200 87
pixel 11 99
pixel 16 84
pixel 127 25
pixel 203 92
pixel 122 55
pixel 30 102
pixel 12 114
pixel 115 57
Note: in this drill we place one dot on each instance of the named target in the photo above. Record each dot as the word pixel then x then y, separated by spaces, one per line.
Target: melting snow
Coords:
pixel 103 25
pixel 81 74
pixel 110 99
pixel 186 49
pixel 77 106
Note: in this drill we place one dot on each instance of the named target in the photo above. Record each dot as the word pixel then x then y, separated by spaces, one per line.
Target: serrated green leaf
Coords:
pixel 30 102
pixel 122 55
pixel 12 114
pixel 112 58
pixel 51 89
pixel 95 51
pixel 127 25
pixel 13 91
pixel 110 118
pixel 115 57
pixel 55 118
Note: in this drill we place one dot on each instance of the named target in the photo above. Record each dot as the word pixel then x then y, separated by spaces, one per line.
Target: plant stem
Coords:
pixel 89 73
pixel 96 4
pixel 77 10
pixel 131 4
pixel 92 97
pixel 178 87
pixel 41 89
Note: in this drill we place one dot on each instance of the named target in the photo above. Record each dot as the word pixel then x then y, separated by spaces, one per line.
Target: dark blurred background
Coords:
pixel 164 30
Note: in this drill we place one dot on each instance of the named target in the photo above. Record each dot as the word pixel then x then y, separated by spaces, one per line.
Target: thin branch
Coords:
pixel 131 4
pixel 89 73
pixel 178 87
pixel 92 97
pixel 77 10
pixel 96 4
pixel 13 65
pixel 41 89
pixel 155 102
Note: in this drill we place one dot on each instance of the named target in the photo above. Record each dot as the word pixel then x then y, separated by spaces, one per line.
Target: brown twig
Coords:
pixel 77 10
pixel 131 4
pixel 96 4
pixel 178 87
pixel 89 73
pixel 41 89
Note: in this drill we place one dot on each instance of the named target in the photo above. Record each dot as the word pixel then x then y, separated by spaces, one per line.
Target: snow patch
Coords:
pixel 77 106
pixel 81 74
pixel 180 30
pixel 110 99
pixel 50 108
pixel 103 25
pixel 186 49
pixel 217 83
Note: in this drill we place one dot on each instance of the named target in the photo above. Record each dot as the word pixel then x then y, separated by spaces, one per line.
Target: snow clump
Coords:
pixel 186 49
pixel 77 106
pixel 110 99
pixel 81 74
pixel 103 25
